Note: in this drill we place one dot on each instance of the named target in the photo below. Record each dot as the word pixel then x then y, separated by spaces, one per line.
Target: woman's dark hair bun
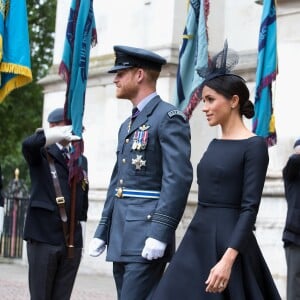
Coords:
pixel 247 109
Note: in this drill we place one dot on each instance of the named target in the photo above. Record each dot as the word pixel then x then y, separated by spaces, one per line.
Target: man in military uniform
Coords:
pixel 52 271
pixel 291 232
pixel 150 181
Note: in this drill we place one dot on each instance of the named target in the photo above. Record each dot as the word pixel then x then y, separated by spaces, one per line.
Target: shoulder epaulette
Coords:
pixel 176 112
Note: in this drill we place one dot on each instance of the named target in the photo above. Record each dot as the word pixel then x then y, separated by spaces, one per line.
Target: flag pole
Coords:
pixel 72 219
pixel 80 36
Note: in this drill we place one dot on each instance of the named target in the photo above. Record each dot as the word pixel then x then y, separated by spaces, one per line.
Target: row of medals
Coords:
pixel 140 140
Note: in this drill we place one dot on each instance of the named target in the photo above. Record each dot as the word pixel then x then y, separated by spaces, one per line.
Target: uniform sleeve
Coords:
pixel 255 167
pixel 31 147
pixel 102 229
pixel 292 167
pixel 174 138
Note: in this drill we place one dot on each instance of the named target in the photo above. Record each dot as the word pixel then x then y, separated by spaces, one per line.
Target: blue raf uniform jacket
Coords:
pixel 152 155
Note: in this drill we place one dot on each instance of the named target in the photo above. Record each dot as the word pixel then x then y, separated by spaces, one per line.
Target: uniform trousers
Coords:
pixel 51 272
pixel 137 281
pixel 292 254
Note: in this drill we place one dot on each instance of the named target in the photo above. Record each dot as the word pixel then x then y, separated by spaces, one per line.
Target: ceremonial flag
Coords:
pixel 193 55
pixel 266 72
pixel 80 36
pixel 15 68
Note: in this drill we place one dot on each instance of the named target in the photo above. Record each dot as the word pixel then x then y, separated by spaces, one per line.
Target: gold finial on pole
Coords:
pixel 17 173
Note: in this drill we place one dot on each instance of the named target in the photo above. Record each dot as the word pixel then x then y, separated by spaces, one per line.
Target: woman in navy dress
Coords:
pixel 219 257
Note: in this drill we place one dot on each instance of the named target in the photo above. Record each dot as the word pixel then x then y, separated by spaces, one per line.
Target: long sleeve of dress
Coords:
pixel 255 167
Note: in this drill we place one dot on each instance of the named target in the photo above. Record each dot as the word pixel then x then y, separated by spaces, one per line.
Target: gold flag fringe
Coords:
pixel 23 76
pixel 1 47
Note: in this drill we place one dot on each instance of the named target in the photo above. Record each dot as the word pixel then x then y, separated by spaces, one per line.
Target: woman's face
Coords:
pixel 216 107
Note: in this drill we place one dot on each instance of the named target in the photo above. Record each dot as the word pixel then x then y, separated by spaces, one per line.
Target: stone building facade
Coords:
pixel 158 25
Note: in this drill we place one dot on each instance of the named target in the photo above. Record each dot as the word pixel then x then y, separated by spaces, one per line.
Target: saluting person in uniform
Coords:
pixel 150 181
pixel 51 271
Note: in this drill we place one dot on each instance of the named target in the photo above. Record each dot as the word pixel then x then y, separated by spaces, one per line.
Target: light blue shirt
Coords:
pixel 145 101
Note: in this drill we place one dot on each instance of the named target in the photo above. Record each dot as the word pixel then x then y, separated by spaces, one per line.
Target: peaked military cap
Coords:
pixel 129 57
pixel 57 115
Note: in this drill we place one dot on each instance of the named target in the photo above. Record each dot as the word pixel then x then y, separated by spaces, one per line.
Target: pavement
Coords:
pixel 14 283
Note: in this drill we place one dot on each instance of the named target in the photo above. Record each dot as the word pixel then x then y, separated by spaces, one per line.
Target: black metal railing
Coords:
pixel 16 197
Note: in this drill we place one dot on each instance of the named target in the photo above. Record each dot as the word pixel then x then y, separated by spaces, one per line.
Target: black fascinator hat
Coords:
pixel 220 64
pixel 218 76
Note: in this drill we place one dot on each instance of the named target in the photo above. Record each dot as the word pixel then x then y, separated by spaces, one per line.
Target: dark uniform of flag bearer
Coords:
pixel 52 271
pixel 150 182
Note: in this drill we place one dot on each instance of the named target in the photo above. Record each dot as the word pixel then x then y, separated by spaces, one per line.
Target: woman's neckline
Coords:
pixel 242 139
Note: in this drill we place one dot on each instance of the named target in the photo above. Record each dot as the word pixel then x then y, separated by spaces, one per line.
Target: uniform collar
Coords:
pixel 146 100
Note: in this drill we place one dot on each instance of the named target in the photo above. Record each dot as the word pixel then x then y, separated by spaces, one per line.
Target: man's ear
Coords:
pixel 140 74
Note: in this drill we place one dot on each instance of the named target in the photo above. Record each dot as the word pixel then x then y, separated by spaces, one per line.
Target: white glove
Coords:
pixel 59 133
pixel 1 219
pixel 96 247
pixel 153 249
pixel 83 227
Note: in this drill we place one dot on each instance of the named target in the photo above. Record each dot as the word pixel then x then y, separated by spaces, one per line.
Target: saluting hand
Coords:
pixel 59 133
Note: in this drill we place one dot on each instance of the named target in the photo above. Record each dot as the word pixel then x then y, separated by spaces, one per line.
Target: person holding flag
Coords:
pixel 52 271
pixel 80 36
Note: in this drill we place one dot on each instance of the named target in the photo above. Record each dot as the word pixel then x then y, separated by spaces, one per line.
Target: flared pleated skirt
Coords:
pixel 201 248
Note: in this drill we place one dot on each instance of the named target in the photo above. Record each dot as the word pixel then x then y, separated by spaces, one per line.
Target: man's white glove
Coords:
pixel 83 230
pixel 96 247
pixel 1 219
pixel 153 249
pixel 59 133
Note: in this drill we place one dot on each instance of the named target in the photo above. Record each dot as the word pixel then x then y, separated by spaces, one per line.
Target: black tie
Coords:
pixel 135 112
pixel 65 152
